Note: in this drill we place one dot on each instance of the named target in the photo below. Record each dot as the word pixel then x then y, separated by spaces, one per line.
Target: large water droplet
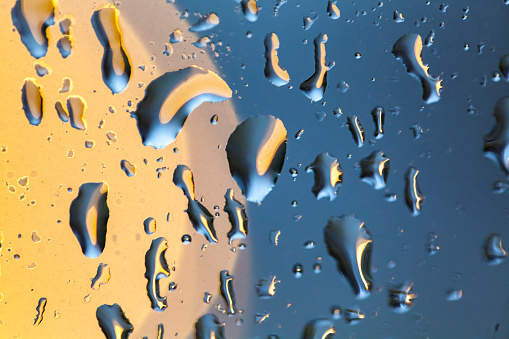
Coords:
pixel 88 218
pixel 113 322
pixel 209 327
pixel 319 329
pixel 31 96
pixel 237 216
pixel 273 71
pixel 332 10
pixel 76 105
pixel 314 87
pixel 328 176
pixel 102 276
pixel 226 288
pixel 250 10
pixel 256 152
pixel 156 269
pixel 32 19
pixel 408 50
pixel 493 251
pixel 350 243
pixel 116 68
pixel 375 170
pixel 413 196
pixel 496 142
pixel 170 99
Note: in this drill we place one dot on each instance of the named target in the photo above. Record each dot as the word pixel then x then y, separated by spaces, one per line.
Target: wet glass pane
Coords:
pixel 244 169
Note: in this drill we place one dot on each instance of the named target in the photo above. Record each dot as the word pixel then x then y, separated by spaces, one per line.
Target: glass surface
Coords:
pixel 235 169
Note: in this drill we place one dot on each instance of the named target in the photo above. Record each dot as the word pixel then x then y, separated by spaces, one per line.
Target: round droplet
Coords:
pixel 317 268
pixel 186 239
pixel 172 287
pixel 335 312
pixel 214 119
pixel 249 34
pixel 298 270
pixel 294 203
pixel 357 55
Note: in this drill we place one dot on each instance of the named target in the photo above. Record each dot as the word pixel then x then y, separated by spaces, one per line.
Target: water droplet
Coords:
pixel 378 114
pixel 226 288
pixel 209 327
pixel 115 66
pixel 237 216
pixel 76 105
pixel 89 215
pixel 401 298
pixel 89 143
pixel 35 237
pixel 266 288
pixel 32 21
pixel 496 142
pixel 156 269
pixel 113 321
pixel 314 87
pixel 319 329
pixel 200 217
pixel 273 71
pixel 214 119
pixel 207 297
pixel 61 111
pixel 250 10
pixel 102 276
pixel 41 307
pixel 494 253
pixel 375 170
pixel 342 86
pixel 128 168
pixel 186 239
pixel 261 316
pixel 256 152
pixel 408 50
pixel 299 133
pixel 274 237
pixel 357 55
pixel 398 17
pixel 42 68
pixel 205 23
pixel 176 36
pixel 353 317
pixel 87 298
pixel 350 243
pixel 149 225
pixel 31 95
pixel 172 286
pixel 454 295
pixel 432 246
pixel 32 265
pixel 335 312
pixel 159 119
pixel 355 127
pixel 413 196
pixel 328 176
pixel 298 270
pixel 308 21
pixel 332 10
pixel 429 39
pixel 504 66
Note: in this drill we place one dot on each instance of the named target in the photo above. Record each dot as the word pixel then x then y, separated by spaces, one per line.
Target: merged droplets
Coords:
pixel 314 87
pixel 237 216
pixel 328 176
pixel 496 142
pixel 200 217
pixel 319 329
pixel 350 243
pixel 401 298
pixel 226 287
pixel 375 170
pixel 273 71
pixel 408 50
pixel 113 322
pixel 32 19
pixel 31 96
pixel 89 215
pixel 256 152
pixel 494 253
pixel 170 98
pixel 413 196
pixel 156 269
pixel 209 327
pixel 116 68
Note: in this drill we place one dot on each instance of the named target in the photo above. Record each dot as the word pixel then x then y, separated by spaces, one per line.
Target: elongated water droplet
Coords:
pixel 328 176
pixel 102 276
pixel 332 10
pixel 493 251
pixel 128 168
pixel 156 269
pixel 496 142
pixel 115 66
pixel 314 87
pixel 353 317
pixel 237 216
pixel 41 307
pixel 356 129
pixel 429 39
pixel 226 288
pixel 89 215
pixel 65 45
pixel 170 99
pixel 408 50
pixel 319 329
pixel 76 105
pixel 32 19
pixel 256 152
pixel 31 96
pixel 250 10
pixel 454 295
pixel 113 322
pixel 503 65
pixel 61 111
pixel 209 327
pixel 401 298
pixel 149 225
pixel 266 288
pixel 413 196
pixel 200 217
pixel 273 71
pixel 350 243
pixel 375 170
pixel 378 114
pixel 207 22
pixel 160 331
